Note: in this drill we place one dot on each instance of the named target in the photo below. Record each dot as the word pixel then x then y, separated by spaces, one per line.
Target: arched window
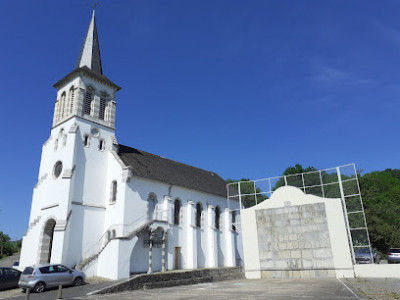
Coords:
pixel 103 101
pixel 177 210
pixel 71 99
pixel 199 209
pixel 113 198
pixel 217 217
pixel 151 206
pixel 89 96
pixel 86 140
pixel 233 220
pixel 102 145
pixel 62 105
pixel 62 137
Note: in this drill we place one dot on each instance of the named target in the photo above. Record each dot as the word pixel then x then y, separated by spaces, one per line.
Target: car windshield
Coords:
pixel 394 250
pixel 363 251
pixel 28 271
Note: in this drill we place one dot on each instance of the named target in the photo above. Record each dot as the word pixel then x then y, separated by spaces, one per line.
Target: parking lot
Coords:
pixel 68 292
pixel 372 288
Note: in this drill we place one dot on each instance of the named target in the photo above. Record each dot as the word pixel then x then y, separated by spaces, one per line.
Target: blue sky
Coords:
pixel 242 88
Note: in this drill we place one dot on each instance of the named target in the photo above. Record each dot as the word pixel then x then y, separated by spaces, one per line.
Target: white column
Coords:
pixel 113 106
pixel 191 251
pixel 80 96
pixel 164 261
pixel 229 241
pixel 150 270
pixel 95 106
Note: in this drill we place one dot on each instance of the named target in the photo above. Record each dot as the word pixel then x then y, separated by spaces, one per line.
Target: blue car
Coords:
pixel 9 278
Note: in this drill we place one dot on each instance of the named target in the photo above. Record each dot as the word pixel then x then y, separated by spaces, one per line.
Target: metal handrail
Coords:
pixel 117 231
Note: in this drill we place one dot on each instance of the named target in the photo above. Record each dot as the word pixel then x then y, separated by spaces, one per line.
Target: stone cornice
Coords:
pixel 86 119
pixel 86 71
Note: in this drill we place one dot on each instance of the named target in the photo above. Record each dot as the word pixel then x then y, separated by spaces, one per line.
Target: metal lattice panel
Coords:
pixel 339 182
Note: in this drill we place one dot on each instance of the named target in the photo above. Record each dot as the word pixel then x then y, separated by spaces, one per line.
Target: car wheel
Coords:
pixel 39 287
pixel 78 281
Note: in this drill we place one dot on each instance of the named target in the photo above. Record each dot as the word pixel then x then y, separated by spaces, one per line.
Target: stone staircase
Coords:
pixel 174 278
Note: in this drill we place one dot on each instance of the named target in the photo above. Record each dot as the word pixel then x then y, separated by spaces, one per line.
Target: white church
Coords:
pixel 112 210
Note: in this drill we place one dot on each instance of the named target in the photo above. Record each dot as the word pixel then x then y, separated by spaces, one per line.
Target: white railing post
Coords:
pixel 345 214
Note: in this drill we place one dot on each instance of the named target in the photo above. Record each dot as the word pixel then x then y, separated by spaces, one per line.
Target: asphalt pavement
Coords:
pixel 67 292
pixel 245 289
pixel 323 288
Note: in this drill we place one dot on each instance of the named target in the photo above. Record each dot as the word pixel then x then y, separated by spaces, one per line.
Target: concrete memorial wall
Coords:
pixel 296 235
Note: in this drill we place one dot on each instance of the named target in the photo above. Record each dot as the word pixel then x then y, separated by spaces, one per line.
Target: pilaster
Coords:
pixel 55 116
pixel 229 240
pixel 211 238
pixel 113 106
pixel 167 211
pixel 191 251
pixel 95 107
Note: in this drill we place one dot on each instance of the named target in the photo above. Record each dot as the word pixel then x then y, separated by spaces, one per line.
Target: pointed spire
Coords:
pixel 90 52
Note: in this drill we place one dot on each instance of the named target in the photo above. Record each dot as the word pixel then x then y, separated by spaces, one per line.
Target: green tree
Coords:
pixel 7 248
pixel 381 197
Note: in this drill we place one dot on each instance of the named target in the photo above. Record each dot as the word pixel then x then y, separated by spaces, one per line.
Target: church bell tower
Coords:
pixel 74 175
pixel 85 92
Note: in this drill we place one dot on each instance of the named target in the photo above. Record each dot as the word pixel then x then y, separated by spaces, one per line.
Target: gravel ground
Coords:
pixel 375 288
pixel 8 261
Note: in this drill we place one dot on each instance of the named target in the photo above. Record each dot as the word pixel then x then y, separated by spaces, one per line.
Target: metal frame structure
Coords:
pixel 338 182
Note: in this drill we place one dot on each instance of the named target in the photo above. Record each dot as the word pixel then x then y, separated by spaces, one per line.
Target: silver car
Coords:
pixel 394 255
pixel 38 278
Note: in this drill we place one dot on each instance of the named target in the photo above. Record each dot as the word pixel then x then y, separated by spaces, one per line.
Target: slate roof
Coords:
pixel 90 52
pixel 158 168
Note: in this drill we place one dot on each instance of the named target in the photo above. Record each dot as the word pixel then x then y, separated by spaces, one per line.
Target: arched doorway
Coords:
pixel 139 262
pixel 47 242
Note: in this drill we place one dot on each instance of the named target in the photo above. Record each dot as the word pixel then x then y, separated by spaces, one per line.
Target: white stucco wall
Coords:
pixel 75 200
pixel 79 202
